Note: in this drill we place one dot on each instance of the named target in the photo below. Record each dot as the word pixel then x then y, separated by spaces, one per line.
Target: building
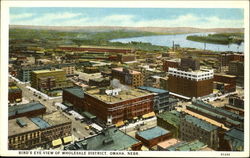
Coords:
pixel 229 119
pixel 195 145
pixel 189 63
pixel 190 83
pixel 236 105
pixel 235 139
pixel 68 68
pixel 28 133
pixel 49 80
pixel 170 120
pixel 92 69
pixel 118 105
pixel 73 97
pixel 28 110
pixel 237 68
pixel 109 139
pixel 15 94
pixel 128 77
pixel 99 82
pixel 162 146
pixel 192 128
pixel 153 136
pixel 174 63
pixel 126 57
pixel 226 58
pixel 227 82
pixel 162 99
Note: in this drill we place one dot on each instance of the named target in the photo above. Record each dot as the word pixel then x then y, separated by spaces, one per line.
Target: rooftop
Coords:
pixel 200 123
pixel 14 89
pixel 122 95
pixel 40 122
pixel 14 128
pixel 235 134
pixel 172 117
pixel 168 143
pixel 111 139
pixel 47 71
pixel 75 91
pixel 23 108
pixel 153 90
pixel 153 133
pixel 130 71
pixel 187 146
pixel 55 118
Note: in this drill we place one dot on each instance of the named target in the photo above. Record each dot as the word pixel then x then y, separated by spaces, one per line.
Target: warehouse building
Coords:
pixel 15 94
pixel 73 97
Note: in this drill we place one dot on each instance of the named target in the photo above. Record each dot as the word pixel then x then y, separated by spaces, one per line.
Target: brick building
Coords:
pixel 73 97
pixel 118 105
pixel 189 63
pixel 226 58
pixel 99 82
pixel 28 110
pixel 15 94
pixel 126 57
pixel 228 82
pixel 190 83
pixel 153 136
pixel 128 77
pixel 174 63
pixel 28 133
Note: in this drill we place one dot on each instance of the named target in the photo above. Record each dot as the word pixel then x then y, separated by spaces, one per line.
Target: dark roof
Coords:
pixel 172 117
pixel 236 134
pixel 152 133
pixel 89 115
pixel 75 91
pixel 23 108
pixel 153 90
pixel 110 139
pixel 40 122
pixel 187 146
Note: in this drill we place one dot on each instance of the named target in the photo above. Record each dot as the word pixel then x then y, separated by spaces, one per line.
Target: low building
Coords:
pixel 15 94
pixel 73 97
pixel 167 143
pixel 235 139
pixel 128 77
pixel 170 121
pixel 228 83
pixel 192 128
pixel 109 139
pixel 68 68
pixel 118 104
pixel 162 99
pixel 195 145
pixel 92 69
pixel 99 82
pixel 153 136
pixel 28 110
pixel 126 57
pixel 29 133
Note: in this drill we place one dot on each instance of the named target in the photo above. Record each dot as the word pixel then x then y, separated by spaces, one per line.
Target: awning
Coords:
pixel 151 114
pixel 119 124
pixel 56 142
pixel 67 139
pixel 89 115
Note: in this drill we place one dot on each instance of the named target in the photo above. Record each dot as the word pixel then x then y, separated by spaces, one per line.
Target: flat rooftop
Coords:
pixel 153 133
pixel 23 108
pixel 109 139
pixel 14 128
pixel 187 146
pixel 153 90
pixel 47 71
pixel 40 122
pixel 122 95
pixel 168 143
pixel 75 91
pixel 172 117
pixel 55 118
pixel 130 71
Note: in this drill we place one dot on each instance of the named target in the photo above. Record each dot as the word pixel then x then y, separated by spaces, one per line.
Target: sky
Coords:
pixel 134 17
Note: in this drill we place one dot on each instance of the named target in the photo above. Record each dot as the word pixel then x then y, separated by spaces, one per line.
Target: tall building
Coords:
pixel 174 63
pixel 118 105
pixel 192 128
pixel 228 82
pixel 27 133
pixel 189 63
pixel 48 80
pixel 162 100
pixel 128 77
pixel 190 83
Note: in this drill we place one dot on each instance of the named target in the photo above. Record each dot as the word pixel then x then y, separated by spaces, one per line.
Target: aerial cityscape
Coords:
pixel 115 79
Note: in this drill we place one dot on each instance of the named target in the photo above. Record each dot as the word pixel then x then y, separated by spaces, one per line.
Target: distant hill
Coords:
pixel 173 30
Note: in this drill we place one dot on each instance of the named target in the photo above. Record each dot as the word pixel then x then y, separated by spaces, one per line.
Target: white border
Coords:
pixel 5 5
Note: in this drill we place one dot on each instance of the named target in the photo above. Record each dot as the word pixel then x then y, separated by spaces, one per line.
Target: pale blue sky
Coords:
pixel 138 17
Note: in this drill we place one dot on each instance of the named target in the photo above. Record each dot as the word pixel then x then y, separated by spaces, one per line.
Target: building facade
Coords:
pixel 228 82
pixel 15 94
pixel 128 77
pixel 74 97
pixel 174 63
pixel 190 83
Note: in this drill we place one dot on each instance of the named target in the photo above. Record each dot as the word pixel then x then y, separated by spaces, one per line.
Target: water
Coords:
pixel 167 40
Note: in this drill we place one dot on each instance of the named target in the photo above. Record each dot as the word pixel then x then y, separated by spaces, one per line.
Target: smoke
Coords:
pixel 115 83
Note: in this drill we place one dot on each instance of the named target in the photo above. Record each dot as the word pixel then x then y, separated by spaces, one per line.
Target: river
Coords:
pixel 167 40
